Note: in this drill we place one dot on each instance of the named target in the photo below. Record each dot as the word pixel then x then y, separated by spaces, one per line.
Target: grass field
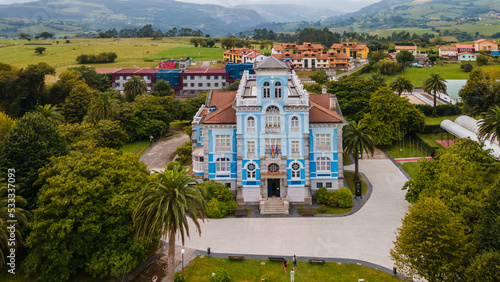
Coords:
pixel 438 120
pixel 138 147
pixel 411 168
pixel 132 52
pixel 349 178
pixel 201 269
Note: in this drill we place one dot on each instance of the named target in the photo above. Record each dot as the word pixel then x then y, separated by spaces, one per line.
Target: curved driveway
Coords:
pixel 366 235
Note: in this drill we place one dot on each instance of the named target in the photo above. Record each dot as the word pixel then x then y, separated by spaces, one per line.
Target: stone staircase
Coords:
pixel 274 205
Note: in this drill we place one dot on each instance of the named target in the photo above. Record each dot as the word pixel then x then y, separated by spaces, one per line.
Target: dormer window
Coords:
pixel 277 90
pixel 267 90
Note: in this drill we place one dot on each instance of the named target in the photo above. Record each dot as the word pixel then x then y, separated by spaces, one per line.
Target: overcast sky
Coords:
pixel 330 4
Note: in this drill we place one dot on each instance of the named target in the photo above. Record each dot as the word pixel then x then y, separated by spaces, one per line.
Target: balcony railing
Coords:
pixel 273 130
pixel 322 148
pixel 222 149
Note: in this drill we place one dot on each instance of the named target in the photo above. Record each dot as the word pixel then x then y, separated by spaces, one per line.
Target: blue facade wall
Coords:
pixel 235 70
pixel 214 155
pixel 173 77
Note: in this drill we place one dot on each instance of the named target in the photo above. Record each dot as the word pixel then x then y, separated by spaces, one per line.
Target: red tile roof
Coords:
pixel 204 71
pixel 448 48
pixel 464 46
pixel 136 71
pixel 224 115
pixel 221 98
pixel 320 112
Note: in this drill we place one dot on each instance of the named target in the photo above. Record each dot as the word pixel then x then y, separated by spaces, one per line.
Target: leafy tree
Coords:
pixel 375 56
pixel 46 35
pixel 233 86
pixel 486 235
pixel 147 116
pixel 76 104
pixel 104 133
pixel 99 81
pixel 388 67
pixel 467 67
pixel 401 84
pixel 58 92
pixel 134 86
pixel 353 94
pixel 103 107
pixel 161 88
pixel 23 35
pixel 378 77
pixel 431 243
pixel 6 123
pixel 485 267
pixel 404 57
pixel 481 91
pixel 164 207
pixel 464 195
pixel 313 87
pixel 21 217
pixel 51 113
pixel 489 126
pixel 320 77
pixel 434 83
pixel 27 148
pixel 482 60
pixel 391 117
pixel 191 106
pixel 84 216
pixel 40 50
pixel 356 139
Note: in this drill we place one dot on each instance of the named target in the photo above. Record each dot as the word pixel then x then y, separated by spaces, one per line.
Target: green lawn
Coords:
pixel 407 149
pixel 201 269
pixel 333 210
pixel 349 177
pixel 138 147
pixel 197 53
pixel 411 168
pixel 438 120
pixel 180 125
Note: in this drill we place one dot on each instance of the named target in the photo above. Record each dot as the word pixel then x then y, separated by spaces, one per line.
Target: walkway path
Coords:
pixel 163 152
pixel 366 235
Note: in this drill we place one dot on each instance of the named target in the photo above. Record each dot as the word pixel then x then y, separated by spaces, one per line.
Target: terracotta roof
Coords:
pixel 278 48
pixel 406 47
pixel 224 115
pixel 448 48
pixel 204 71
pixel 253 55
pixel 319 112
pixel 359 47
pixel 481 40
pixel 221 98
pixel 464 46
pixel 106 70
pixel 136 71
pixel 336 46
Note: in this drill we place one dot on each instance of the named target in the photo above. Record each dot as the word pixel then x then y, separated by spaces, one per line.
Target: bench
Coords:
pixel 307 212
pixel 240 212
pixel 320 261
pixel 276 258
pixel 236 257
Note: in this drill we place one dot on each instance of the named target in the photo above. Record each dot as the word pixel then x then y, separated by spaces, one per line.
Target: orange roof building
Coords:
pixel 270 138
pixel 485 45
pixel 310 56
pixel 351 49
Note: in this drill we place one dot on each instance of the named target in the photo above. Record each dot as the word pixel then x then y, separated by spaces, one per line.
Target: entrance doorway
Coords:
pixel 273 188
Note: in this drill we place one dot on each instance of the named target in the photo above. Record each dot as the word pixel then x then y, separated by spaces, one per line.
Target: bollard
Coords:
pixel 208 251
pixel 394 270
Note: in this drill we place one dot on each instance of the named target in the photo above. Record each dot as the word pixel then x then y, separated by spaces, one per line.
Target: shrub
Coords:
pixel 171 165
pixel 224 194
pixel 100 58
pixel 221 275
pixel 67 41
pixel 482 60
pixel 467 67
pixel 214 209
pixel 321 195
pixel 332 199
pixel 228 207
pixel 344 197
pixel 441 110
pixel 184 151
pixel 322 209
pixel 179 276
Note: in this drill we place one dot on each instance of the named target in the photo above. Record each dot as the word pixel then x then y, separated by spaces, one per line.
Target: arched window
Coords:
pixel 250 124
pixel 323 164
pixel 272 117
pixel 295 124
pixel 273 168
pixel 267 90
pixel 222 165
pixel 277 90
pixel 251 168
pixel 295 170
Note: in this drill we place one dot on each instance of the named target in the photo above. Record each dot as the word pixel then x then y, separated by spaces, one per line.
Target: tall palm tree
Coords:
pixel 103 107
pixel 489 126
pixel 164 207
pixel 401 84
pixel 50 113
pixel 21 216
pixel 357 139
pixel 134 86
pixel 434 83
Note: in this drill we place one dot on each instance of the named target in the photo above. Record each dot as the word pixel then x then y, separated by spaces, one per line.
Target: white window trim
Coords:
pixel 323 164
pixel 322 142
pixel 222 165
pixel 223 143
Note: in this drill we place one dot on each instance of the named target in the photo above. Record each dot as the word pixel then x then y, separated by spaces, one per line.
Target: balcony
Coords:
pixel 273 130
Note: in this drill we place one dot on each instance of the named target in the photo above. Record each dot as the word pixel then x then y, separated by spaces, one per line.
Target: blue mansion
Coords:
pixel 270 141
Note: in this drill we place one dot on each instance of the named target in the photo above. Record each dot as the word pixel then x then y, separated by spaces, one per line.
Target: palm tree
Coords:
pixel 378 77
pixel 134 86
pixel 489 127
pixel 356 139
pixel 401 84
pixel 103 107
pixel 50 113
pixel 434 83
pixel 21 216
pixel 164 207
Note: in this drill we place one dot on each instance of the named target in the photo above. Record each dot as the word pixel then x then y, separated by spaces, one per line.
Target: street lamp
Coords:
pixel 182 262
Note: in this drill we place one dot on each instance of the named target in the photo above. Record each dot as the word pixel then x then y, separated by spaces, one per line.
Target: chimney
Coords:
pixel 323 89
pixel 333 103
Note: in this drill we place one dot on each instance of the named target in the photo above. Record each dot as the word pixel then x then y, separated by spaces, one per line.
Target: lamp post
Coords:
pixel 182 262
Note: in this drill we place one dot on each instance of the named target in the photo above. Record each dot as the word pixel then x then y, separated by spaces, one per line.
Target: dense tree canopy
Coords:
pixel 353 94
pixel 75 106
pixel 27 148
pixel 6 124
pixel 58 92
pixel 191 106
pixel 391 117
pixel 481 91
pixel 84 216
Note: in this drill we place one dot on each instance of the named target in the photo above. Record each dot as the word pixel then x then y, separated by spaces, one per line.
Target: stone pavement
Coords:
pixel 162 152
pixel 366 235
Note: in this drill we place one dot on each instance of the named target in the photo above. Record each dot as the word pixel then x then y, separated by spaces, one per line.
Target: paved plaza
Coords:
pixel 366 235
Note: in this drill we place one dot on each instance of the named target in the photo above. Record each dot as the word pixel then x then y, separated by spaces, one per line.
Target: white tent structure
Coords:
pixel 466 127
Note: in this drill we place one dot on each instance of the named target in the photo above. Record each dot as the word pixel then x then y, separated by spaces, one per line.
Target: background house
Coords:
pixel 485 45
